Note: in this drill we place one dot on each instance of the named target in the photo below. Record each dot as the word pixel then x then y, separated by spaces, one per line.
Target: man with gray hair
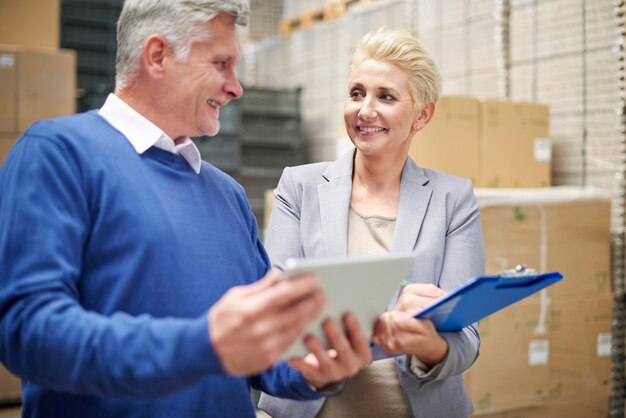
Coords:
pixel 132 279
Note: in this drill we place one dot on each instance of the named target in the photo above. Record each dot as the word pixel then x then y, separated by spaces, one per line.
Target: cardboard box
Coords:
pixel 6 143
pixel 515 145
pixel 512 369
pixel 9 386
pixel 519 367
pixel 494 143
pixel 585 407
pixel 450 142
pixel 580 348
pixel 35 84
pixel 31 23
pixel 564 229
pixel 483 414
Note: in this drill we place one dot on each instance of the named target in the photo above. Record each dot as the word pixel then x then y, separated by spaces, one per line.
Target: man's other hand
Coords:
pixel 347 354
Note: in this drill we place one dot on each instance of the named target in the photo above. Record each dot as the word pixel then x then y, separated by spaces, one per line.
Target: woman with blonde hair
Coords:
pixel 375 200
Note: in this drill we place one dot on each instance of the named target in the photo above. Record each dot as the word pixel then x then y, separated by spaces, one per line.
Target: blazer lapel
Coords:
pixel 414 199
pixel 334 200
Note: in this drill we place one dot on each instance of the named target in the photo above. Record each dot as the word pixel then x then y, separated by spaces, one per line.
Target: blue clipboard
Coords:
pixel 478 298
pixel 482 296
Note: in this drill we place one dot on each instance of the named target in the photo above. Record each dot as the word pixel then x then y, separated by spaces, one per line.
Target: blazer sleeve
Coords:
pixel 464 258
pixel 282 239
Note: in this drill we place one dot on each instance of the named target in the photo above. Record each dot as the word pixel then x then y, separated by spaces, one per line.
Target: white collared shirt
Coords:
pixel 143 134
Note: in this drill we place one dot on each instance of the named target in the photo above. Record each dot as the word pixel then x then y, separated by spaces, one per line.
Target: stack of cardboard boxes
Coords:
pixel 494 143
pixel 37 80
pixel 548 355
pixel 34 84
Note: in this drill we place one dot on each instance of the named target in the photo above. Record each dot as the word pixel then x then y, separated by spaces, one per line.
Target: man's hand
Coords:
pixel 398 332
pixel 348 353
pixel 252 326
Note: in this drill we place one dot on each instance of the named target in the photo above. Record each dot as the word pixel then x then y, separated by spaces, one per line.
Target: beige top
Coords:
pixel 375 391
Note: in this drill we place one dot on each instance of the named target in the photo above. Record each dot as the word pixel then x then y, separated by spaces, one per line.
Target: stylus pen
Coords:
pixel 406 282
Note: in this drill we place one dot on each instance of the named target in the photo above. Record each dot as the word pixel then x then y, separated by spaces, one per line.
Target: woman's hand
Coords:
pixel 417 296
pixel 399 332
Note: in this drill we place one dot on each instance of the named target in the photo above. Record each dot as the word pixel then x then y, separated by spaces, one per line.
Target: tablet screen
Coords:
pixel 363 285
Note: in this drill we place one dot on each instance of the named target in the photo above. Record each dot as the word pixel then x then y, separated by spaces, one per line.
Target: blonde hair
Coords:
pixel 398 47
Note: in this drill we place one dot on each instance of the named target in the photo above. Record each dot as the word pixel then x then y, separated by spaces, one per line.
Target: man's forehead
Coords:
pixel 219 50
pixel 222 40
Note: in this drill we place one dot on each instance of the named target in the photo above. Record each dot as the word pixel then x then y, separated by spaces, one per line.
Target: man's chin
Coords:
pixel 211 131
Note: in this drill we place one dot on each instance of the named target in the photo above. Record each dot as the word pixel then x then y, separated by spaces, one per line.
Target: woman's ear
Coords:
pixel 425 115
pixel 153 56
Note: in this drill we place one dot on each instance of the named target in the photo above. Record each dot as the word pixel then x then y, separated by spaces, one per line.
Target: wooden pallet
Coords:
pixel 327 12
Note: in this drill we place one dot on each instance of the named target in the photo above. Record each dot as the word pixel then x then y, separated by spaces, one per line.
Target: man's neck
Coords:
pixel 143 101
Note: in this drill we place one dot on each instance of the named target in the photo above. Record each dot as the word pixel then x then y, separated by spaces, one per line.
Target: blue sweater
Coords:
pixel 109 262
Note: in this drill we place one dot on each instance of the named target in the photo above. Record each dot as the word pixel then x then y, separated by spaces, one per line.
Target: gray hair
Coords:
pixel 400 48
pixel 180 22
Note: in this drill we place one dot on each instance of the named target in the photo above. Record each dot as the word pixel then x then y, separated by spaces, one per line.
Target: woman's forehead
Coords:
pixel 380 74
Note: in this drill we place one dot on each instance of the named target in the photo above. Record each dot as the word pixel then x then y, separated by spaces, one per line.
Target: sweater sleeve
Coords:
pixel 286 382
pixel 46 336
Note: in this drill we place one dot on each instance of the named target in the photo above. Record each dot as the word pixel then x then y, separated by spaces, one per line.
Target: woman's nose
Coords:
pixel 368 110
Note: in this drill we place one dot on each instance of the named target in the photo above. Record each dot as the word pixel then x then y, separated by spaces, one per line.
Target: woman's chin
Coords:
pixel 368 150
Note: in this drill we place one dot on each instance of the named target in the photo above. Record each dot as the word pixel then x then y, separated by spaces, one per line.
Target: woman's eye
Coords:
pixel 387 97
pixel 355 94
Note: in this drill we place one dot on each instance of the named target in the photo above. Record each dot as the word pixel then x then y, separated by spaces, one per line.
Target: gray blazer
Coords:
pixel 438 219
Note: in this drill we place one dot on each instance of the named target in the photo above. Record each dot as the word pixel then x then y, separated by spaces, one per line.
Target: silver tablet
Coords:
pixel 363 285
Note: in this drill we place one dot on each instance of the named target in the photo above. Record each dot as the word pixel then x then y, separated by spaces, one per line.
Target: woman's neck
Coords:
pixel 378 173
pixel 376 185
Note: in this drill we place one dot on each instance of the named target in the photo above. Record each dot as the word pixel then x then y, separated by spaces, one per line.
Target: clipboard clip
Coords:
pixel 518 276
pixel 519 271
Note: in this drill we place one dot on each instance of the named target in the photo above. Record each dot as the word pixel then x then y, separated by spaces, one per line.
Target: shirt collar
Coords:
pixel 143 134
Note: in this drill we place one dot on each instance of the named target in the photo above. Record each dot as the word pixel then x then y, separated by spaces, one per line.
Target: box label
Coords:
pixel 604 344
pixel 538 352
pixel 7 60
pixel 543 149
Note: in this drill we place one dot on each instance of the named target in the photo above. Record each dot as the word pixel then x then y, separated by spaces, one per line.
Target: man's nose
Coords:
pixel 233 87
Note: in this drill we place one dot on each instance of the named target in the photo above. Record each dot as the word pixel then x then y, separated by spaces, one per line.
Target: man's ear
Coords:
pixel 425 115
pixel 155 50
